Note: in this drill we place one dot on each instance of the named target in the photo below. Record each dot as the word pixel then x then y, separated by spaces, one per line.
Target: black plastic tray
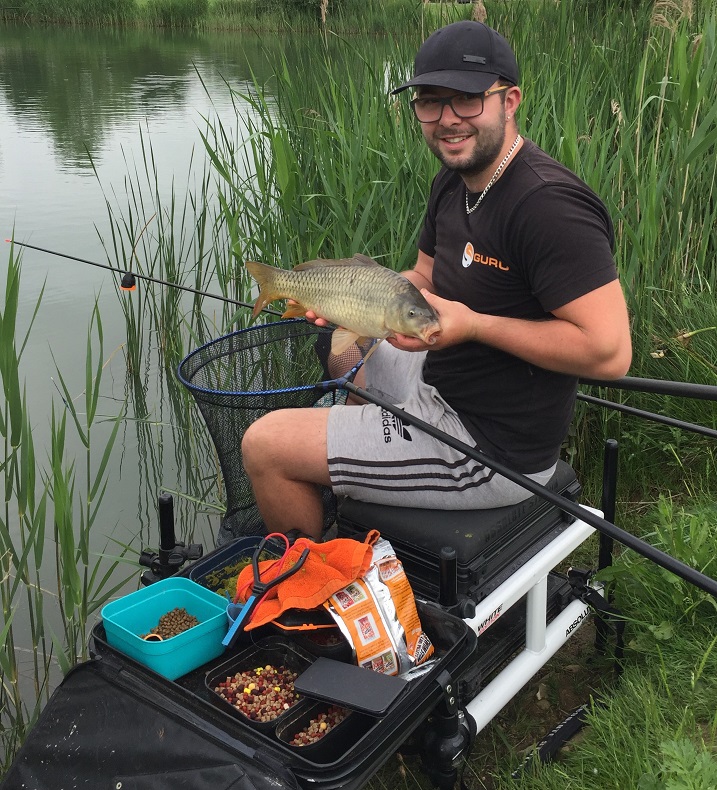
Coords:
pixel 331 745
pixel 359 757
pixel 274 651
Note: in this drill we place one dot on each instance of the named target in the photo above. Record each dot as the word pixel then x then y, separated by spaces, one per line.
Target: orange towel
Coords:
pixel 329 567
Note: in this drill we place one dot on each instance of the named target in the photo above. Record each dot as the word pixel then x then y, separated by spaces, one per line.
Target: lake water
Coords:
pixel 79 109
pixel 76 109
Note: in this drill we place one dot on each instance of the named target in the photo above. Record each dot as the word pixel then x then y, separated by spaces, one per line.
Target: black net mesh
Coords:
pixel 240 377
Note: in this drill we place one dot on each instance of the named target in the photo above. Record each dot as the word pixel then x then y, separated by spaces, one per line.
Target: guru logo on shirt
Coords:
pixel 471 256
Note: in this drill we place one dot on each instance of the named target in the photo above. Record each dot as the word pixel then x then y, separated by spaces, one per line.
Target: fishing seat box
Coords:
pixel 116 723
pixel 490 544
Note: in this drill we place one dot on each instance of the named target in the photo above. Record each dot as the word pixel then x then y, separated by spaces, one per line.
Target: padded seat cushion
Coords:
pixel 469 532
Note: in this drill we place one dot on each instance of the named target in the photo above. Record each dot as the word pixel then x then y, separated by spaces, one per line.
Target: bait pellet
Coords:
pixel 261 694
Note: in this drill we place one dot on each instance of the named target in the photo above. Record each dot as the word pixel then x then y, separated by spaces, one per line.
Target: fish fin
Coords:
pixel 294 311
pixel 364 260
pixel 341 340
pixel 372 349
pixel 357 260
pixel 264 276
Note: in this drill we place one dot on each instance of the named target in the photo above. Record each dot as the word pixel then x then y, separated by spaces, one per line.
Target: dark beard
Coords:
pixel 489 143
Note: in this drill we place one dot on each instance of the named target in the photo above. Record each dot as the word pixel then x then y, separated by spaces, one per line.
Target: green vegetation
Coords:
pixel 348 16
pixel 323 163
pixel 49 508
pixel 338 167
pixel 657 729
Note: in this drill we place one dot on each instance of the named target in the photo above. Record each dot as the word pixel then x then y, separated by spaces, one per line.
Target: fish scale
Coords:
pixel 356 301
pixel 362 297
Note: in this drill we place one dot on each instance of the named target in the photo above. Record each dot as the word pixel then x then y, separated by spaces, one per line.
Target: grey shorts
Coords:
pixel 375 457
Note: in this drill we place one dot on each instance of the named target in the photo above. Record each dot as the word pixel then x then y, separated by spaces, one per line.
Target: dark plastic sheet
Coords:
pixel 97 733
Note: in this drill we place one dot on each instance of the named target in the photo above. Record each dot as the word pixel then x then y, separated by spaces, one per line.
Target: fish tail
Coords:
pixel 264 276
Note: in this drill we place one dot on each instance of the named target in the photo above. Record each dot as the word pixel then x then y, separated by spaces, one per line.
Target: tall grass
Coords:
pixel 657 729
pixel 173 237
pixel 624 98
pixel 51 580
pixel 346 16
pixel 332 172
pixel 630 109
pixel 71 12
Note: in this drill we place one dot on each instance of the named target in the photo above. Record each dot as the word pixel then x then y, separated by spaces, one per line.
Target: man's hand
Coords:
pixel 588 337
pixel 456 326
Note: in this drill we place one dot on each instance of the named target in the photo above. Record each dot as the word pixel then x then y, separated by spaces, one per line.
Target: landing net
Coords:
pixel 240 377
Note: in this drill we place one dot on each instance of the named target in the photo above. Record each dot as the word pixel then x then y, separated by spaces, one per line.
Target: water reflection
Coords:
pixel 76 85
pixel 82 112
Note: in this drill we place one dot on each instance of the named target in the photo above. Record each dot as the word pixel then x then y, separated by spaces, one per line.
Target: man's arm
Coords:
pixel 421 275
pixel 589 337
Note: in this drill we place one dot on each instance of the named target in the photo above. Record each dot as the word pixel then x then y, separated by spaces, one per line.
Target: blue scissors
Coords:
pixel 259 587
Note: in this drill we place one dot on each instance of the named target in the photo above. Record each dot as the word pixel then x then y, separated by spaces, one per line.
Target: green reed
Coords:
pixel 174 13
pixel 310 16
pixel 82 582
pixel 657 728
pixel 332 165
pixel 346 16
pixel 71 12
pixel 20 554
pixel 171 235
pixel 50 506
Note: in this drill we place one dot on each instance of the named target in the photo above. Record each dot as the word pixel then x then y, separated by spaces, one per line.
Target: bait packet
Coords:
pixel 377 614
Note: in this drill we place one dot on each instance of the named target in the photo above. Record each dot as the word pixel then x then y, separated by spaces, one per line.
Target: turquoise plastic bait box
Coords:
pixel 139 612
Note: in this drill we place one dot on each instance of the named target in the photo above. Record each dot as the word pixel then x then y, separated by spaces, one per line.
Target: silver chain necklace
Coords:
pixel 498 171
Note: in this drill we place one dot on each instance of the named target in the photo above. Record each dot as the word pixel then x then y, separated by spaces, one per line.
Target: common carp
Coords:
pixel 363 298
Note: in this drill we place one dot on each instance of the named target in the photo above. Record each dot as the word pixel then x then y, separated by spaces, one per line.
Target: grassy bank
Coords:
pixel 340 167
pixel 342 16
pixel 656 729
pixel 332 166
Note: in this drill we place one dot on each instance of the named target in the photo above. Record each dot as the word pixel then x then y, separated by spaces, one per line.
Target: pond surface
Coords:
pixel 85 116
pixel 79 109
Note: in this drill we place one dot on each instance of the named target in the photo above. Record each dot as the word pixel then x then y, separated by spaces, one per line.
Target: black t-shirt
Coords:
pixel 540 239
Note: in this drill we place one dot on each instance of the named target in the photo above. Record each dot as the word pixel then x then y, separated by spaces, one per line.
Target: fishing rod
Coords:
pixel 680 389
pixel 128 282
pixel 657 556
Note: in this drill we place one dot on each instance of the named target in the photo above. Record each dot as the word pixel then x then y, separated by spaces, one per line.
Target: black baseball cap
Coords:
pixel 466 56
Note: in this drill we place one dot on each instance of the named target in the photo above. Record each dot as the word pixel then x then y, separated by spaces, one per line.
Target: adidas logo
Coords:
pixel 391 425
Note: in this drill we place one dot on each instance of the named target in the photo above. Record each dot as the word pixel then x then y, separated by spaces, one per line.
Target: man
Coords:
pixel 515 256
